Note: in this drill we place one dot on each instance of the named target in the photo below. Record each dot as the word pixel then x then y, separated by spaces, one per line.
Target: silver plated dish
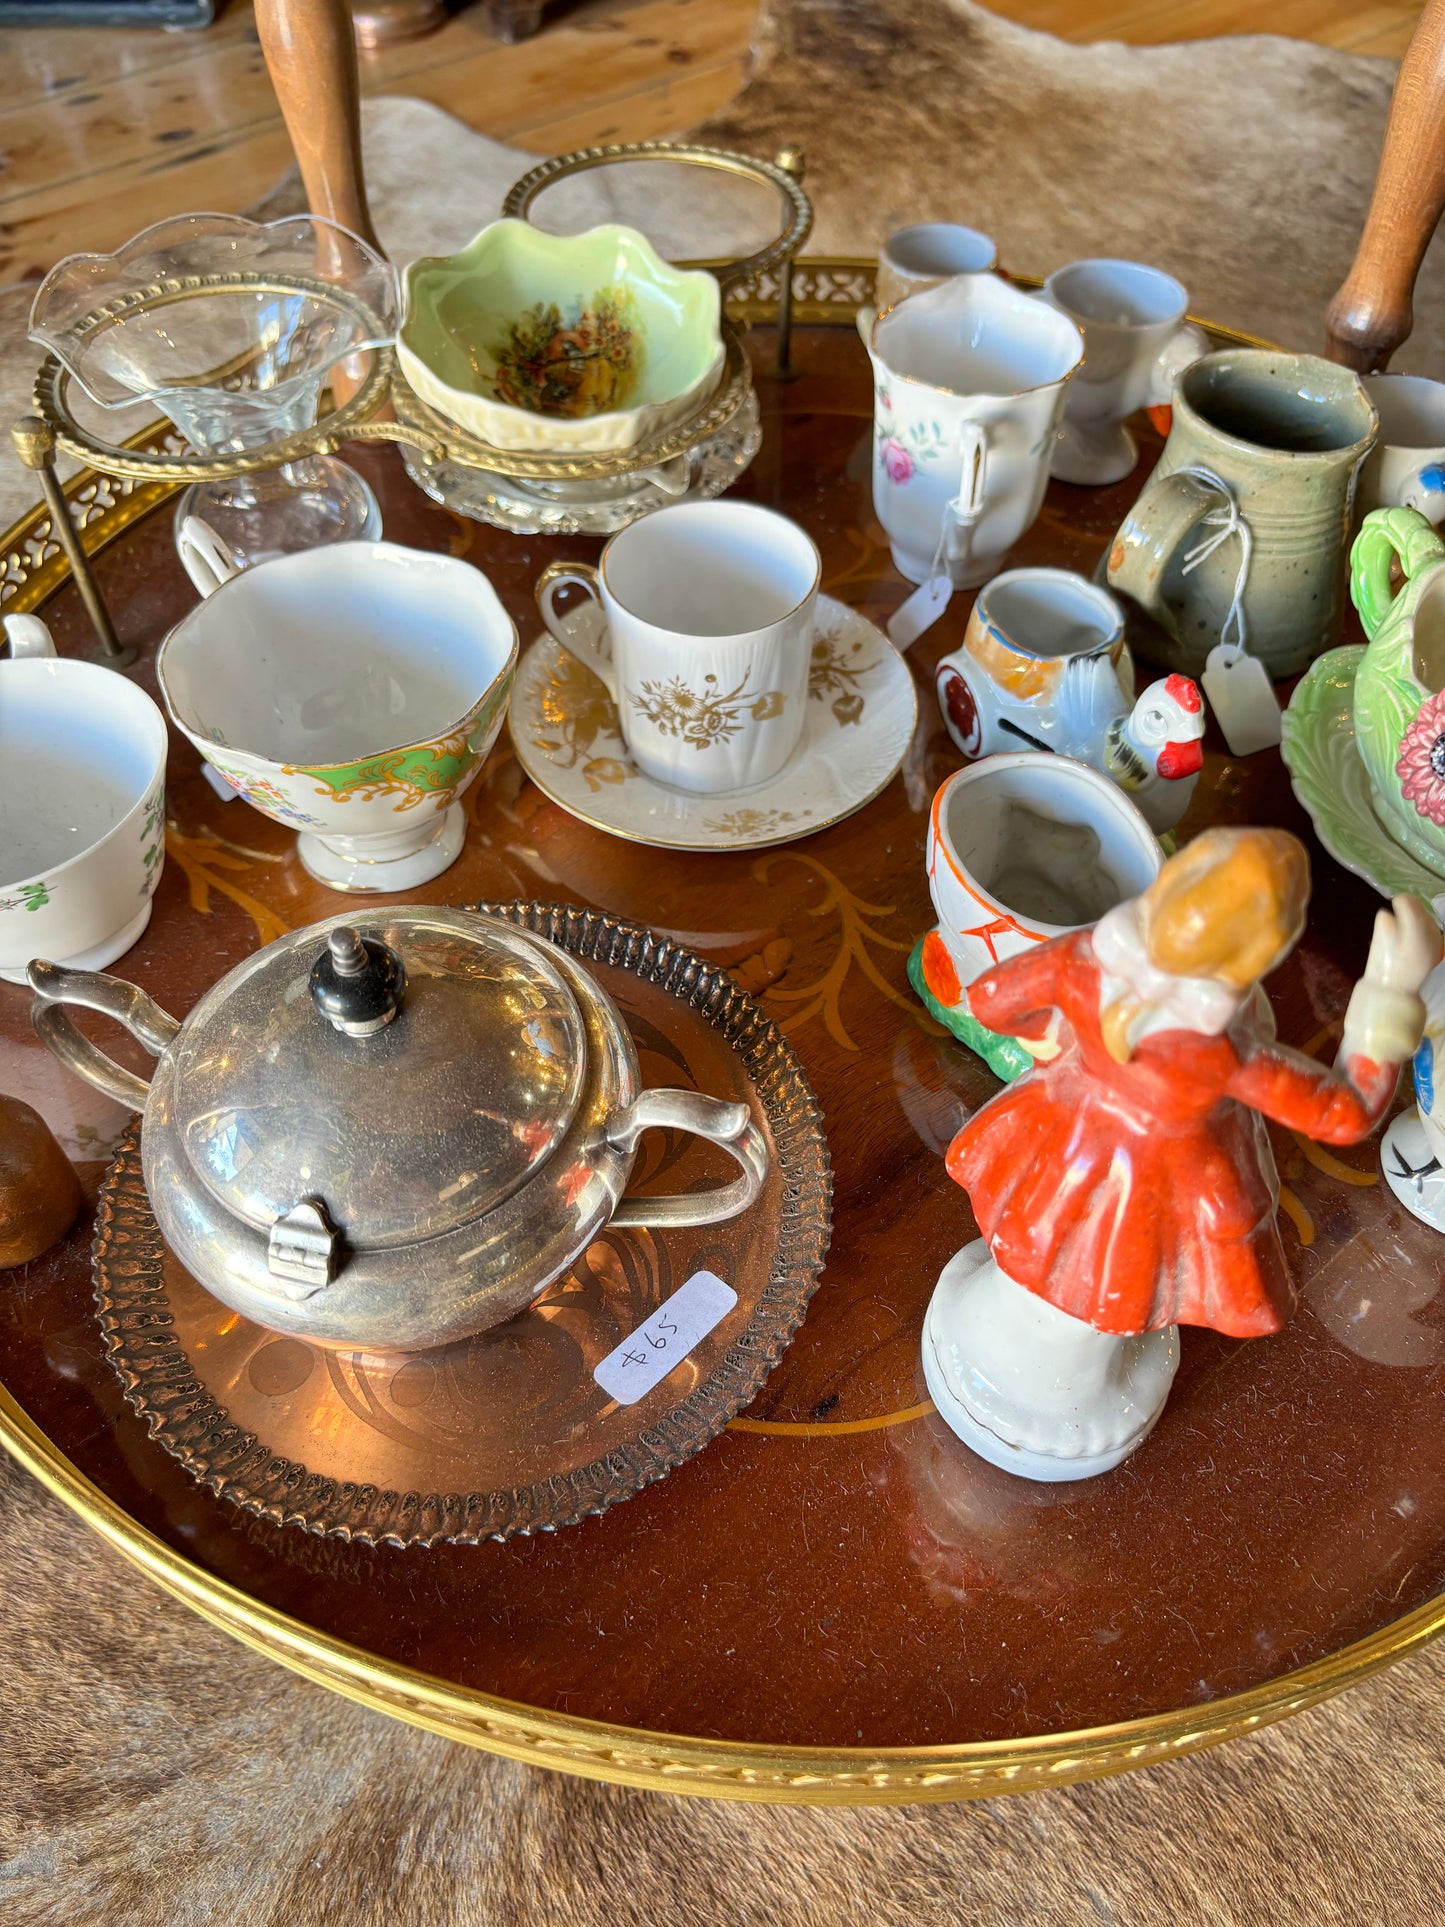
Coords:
pixel 393 1134
pixel 508 1432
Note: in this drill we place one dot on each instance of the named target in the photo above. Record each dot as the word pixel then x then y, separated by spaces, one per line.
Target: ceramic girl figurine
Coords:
pixel 1125 1185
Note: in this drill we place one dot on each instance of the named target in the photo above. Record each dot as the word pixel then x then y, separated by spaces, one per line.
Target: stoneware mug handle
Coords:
pixel 55 985
pixel 1157 525
pixel 28 637
pixel 204 556
pixel 728 1125
pixel 581 575
pixel 1388 536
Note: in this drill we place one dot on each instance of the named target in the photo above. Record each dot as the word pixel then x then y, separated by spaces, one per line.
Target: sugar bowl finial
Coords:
pixel 357 982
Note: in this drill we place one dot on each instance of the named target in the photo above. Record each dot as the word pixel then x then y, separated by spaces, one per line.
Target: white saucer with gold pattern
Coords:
pixel 862 708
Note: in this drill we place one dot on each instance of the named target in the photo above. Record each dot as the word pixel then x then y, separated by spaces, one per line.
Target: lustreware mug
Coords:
pixel 1275 441
pixel 704 642
pixel 968 384
pixel 1136 341
pixel 1406 467
pixel 1023 847
pixel 82 806
pixel 350 692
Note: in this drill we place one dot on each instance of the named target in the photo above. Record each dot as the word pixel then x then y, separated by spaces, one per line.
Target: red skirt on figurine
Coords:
pixel 1144 1194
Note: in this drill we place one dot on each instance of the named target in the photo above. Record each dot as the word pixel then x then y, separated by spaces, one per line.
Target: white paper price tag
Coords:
pixel 1242 697
pixel 646 1356
pixel 919 612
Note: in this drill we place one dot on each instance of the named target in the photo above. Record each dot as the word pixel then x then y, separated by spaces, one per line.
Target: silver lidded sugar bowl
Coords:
pixel 393 1133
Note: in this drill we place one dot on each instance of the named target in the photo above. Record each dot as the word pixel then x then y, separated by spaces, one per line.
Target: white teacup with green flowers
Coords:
pixel 351 692
pixel 82 806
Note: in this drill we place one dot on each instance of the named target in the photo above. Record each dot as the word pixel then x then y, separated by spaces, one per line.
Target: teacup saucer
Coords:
pixel 861 715
pixel 1324 764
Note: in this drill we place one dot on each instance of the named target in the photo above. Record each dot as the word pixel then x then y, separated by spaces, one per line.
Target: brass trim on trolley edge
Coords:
pixel 630 1756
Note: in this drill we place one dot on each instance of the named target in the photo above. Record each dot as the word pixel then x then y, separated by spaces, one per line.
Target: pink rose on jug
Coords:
pixel 896 459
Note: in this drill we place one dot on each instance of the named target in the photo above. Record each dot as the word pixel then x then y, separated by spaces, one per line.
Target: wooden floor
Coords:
pixel 103 132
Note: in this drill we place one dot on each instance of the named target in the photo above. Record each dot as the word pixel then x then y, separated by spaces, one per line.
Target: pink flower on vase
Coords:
pixel 896 459
pixel 1421 764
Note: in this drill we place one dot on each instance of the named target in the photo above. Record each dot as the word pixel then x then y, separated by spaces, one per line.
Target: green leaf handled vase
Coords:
pixel 1400 683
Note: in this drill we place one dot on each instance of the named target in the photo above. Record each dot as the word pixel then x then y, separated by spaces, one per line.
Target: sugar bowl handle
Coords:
pixel 730 1125
pixel 142 1016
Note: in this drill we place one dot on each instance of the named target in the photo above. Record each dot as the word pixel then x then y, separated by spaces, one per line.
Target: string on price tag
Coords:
pixel 647 1355
pixel 1236 684
pixel 928 602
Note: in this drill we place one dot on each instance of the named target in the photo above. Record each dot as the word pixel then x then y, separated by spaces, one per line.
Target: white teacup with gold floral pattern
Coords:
pixel 703 641
pixel 350 692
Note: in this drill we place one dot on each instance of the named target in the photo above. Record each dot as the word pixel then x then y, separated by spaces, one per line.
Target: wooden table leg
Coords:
pixel 310 51
pixel 1372 313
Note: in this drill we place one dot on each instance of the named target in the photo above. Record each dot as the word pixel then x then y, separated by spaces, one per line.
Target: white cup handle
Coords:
pixel 581 575
pixel 1180 351
pixel 674 477
pixel 204 556
pixel 28 636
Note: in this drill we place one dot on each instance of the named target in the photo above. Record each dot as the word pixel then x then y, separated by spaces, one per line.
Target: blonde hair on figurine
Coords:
pixel 1230 906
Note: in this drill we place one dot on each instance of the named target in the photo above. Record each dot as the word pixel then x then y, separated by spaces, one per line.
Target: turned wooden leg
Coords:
pixel 513 20
pixel 1372 314
pixel 310 51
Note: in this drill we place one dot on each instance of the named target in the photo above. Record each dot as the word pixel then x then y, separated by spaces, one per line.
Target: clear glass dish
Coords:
pixel 231 328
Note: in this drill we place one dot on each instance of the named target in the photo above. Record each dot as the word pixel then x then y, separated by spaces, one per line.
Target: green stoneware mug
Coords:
pixel 1259 469
pixel 1399 704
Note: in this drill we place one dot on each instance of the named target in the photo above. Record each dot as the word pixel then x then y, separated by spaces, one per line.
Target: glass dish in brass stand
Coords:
pixel 571 494
pixel 231 328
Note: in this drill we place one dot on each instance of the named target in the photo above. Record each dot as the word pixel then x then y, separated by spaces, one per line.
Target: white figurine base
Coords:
pixel 1029 1388
pixel 1412 1169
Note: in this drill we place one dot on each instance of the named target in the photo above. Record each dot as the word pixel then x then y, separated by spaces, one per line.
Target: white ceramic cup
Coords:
pixel 1406 467
pixel 704 639
pixel 919 257
pixel 351 692
pixel 1023 847
pixel 968 384
pixel 82 806
pixel 1136 341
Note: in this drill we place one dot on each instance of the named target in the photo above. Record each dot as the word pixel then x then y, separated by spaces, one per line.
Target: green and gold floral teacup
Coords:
pixel 351 692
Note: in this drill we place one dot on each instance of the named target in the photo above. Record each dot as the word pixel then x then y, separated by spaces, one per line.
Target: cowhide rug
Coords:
pixel 155 1774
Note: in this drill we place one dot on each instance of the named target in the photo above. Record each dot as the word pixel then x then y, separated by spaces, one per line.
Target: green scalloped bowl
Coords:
pixel 585 343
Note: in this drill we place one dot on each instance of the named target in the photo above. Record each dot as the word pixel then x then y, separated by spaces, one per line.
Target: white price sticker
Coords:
pixel 226 791
pixel 646 1356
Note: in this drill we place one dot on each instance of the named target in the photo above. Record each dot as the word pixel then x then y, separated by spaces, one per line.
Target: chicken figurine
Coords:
pixel 1044 665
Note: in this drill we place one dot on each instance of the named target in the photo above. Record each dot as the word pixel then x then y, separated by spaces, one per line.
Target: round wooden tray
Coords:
pixel 834 1601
